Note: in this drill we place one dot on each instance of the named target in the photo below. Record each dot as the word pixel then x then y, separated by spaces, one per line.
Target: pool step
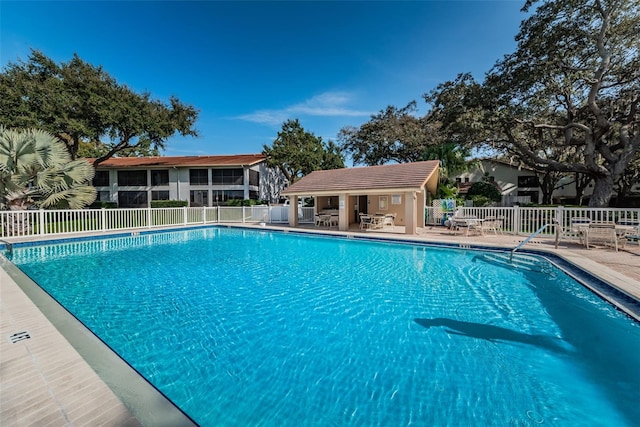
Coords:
pixel 525 262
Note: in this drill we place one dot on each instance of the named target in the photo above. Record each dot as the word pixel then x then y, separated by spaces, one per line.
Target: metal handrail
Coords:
pixel 534 234
pixel 8 246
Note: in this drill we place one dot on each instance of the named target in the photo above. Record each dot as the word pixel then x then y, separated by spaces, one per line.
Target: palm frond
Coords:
pixel 50 150
pixel 76 197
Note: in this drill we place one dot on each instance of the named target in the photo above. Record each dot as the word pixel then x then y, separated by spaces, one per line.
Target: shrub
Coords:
pixel 486 189
pixel 169 203
pixel 481 201
pixel 103 205
pixel 250 202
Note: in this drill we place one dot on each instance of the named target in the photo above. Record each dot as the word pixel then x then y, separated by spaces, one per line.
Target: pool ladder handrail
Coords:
pixel 534 234
pixel 8 246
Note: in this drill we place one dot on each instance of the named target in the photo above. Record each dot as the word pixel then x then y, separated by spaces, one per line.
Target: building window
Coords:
pixel 132 178
pixel 132 199
pixel 227 176
pixel 466 179
pixel 103 196
pixel 528 181
pixel 234 194
pixel 254 177
pixel 199 198
pixel 458 180
pixel 253 195
pixel 101 179
pixel 160 177
pixel 199 176
pixel 223 196
pixel 160 195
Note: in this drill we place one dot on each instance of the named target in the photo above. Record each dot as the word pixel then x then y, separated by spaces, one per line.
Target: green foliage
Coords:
pixel 332 157
pixel 446 190
pixel 36 171
pixel 452 157
pixel 297 152
pixel 565 101
pixel 246 202
pixel 484 189
pixel 103 205
pixel 86 108
pixel 481 201
pixel 169 203
pixel 392 135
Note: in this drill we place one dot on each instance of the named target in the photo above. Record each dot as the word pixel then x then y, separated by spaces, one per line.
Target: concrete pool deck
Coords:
pixel 53 371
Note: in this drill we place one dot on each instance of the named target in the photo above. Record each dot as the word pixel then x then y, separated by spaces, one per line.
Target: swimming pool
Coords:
pixel 245 327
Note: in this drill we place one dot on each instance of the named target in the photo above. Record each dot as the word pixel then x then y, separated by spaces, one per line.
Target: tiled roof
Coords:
pixel 171 161
pixel 405 175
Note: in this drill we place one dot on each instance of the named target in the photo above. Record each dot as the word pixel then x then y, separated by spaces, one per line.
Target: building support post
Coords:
pixel 293 211
pixel 411 217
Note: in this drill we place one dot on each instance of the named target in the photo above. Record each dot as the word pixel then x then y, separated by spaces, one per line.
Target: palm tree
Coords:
pixel 36 172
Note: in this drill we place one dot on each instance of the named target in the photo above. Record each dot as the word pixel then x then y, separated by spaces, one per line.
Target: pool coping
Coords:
pixel 149 405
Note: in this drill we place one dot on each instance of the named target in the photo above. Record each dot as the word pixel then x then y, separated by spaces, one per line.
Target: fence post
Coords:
pixel 243 215
pixel 149 217
pixel 184 215
pixel 103 219
pixel 204 214
pixel 516 219
pixel 41 219
pixel 560 216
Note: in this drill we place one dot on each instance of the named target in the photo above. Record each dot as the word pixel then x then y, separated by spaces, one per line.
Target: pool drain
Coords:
pixel 19 336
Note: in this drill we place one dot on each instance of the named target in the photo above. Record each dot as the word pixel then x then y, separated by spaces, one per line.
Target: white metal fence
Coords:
pixel 50 222
pixel 516 220
pixel 527 220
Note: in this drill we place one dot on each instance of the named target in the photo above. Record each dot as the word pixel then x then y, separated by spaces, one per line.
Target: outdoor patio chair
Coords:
pixel 365 221
pixel 389 220
pixel 492 225
pixel 579 227
pixel 470 224
pixel 323 219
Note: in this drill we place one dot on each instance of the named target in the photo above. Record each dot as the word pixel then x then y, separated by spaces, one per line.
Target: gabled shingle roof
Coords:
pixel 171 161
pixel 396 176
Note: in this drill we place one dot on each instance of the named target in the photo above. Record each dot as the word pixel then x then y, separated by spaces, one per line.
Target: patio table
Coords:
pixel 468 224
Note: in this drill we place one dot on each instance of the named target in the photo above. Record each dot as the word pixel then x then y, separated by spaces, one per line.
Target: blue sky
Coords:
pixel 249 66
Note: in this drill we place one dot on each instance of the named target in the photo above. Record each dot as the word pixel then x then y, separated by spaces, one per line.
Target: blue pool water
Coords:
pixel 242 327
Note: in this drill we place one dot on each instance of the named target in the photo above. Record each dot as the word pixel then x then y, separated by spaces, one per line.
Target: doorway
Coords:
pixel 362 207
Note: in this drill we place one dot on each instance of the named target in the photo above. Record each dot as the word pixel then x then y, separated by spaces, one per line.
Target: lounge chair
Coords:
pixel 605 234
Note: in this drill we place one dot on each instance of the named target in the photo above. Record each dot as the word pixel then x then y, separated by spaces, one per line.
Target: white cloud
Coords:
pixel 328 104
